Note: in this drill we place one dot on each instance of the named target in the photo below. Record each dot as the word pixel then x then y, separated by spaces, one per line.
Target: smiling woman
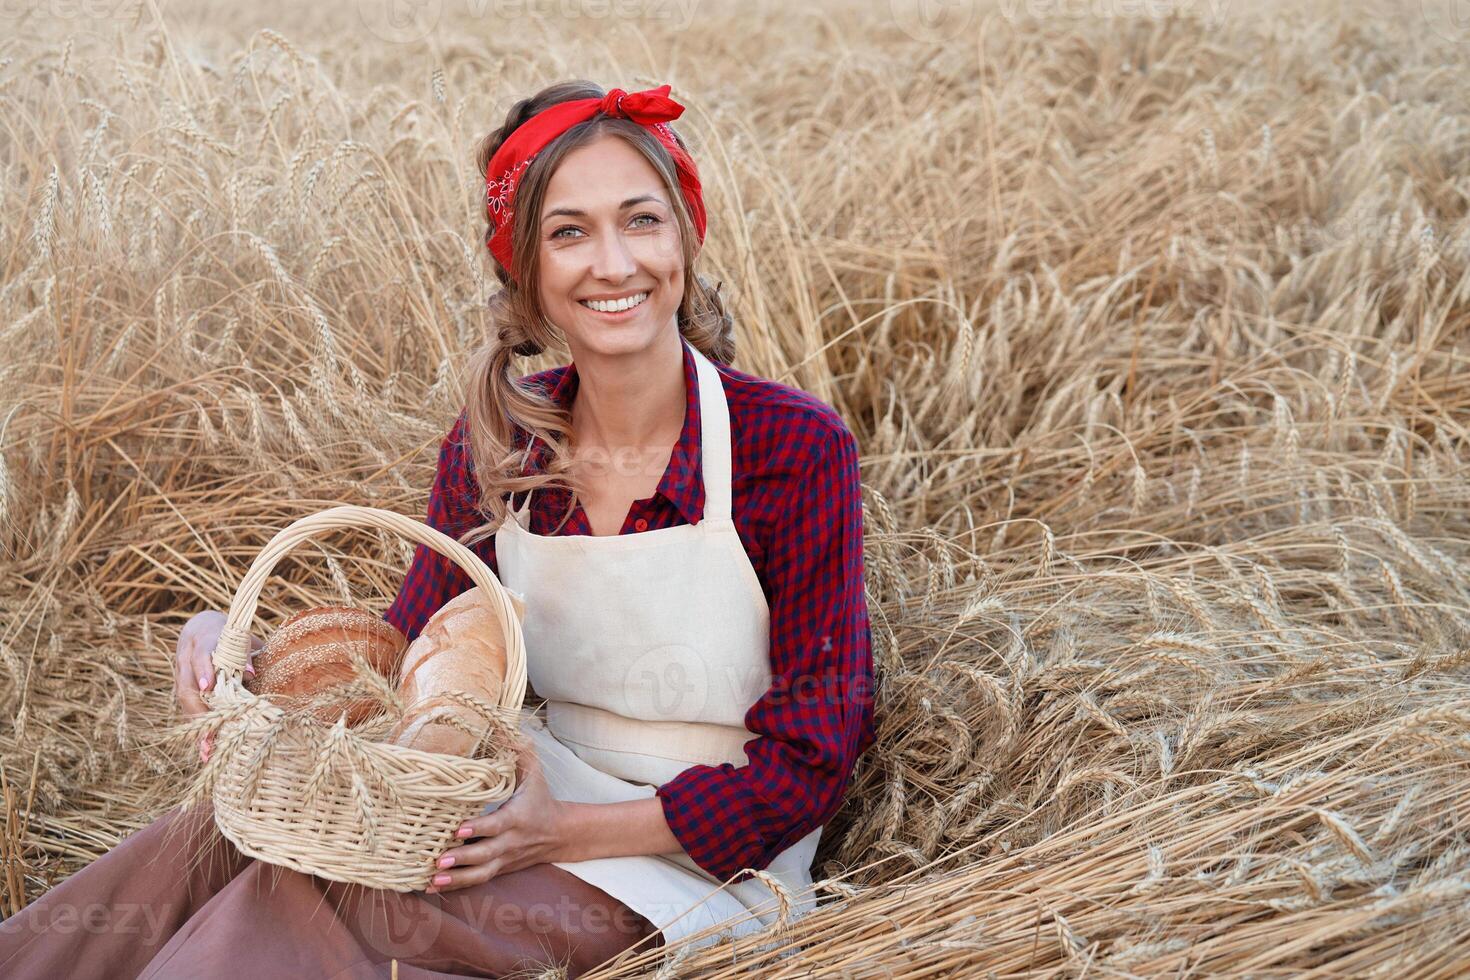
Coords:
pixel 694 615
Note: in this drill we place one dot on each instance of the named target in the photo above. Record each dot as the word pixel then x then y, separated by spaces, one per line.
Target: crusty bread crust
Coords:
pixel 313 650
pixel 461 649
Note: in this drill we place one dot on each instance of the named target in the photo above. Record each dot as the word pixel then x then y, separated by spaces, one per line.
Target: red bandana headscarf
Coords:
pixel 651 108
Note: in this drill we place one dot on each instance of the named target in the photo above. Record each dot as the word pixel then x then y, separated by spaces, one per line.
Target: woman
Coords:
pixel 691 563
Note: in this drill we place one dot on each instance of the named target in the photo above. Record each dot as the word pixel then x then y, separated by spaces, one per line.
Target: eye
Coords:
pixel 655 219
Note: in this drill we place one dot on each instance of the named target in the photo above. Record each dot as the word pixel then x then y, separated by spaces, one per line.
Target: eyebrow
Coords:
pixel 578 213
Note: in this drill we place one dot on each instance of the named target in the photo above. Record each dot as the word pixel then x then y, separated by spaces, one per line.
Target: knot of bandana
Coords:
pixel 651 108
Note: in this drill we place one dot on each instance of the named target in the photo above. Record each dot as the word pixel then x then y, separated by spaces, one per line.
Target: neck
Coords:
pixel 630 401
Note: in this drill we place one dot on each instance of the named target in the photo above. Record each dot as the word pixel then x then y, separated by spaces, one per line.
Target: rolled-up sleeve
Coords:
pixel 433 578
pixel 817 716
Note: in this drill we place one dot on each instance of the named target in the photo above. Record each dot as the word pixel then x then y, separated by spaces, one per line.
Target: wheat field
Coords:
pixel 1151 321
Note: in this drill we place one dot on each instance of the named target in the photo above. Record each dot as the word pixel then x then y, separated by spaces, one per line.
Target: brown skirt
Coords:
pixel 177 899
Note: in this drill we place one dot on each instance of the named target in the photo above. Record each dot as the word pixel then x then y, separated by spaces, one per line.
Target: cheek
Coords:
pixel 557 275
pixel 660 254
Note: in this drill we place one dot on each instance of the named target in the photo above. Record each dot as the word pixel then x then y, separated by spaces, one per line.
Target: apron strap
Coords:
pixel 714 438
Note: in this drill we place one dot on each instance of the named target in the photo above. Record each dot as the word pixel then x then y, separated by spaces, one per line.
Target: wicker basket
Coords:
pixel 322 798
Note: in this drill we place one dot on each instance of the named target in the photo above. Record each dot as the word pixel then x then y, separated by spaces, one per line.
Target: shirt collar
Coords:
pixel 682 483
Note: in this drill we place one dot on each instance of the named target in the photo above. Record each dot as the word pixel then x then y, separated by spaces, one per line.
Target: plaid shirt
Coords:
pixel 797 508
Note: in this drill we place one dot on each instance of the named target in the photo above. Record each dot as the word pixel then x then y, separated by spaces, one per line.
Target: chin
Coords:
pixel 622 338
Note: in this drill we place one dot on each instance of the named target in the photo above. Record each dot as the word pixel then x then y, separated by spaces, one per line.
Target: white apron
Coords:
pixel 649 649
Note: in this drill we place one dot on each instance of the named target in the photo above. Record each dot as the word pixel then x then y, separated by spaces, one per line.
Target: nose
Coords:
pixel 612 261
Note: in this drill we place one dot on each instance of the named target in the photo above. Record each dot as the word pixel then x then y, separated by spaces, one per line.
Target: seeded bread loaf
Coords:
pixel 313 651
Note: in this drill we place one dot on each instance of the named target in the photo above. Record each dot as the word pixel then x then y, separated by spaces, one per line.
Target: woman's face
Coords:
pixel 608 232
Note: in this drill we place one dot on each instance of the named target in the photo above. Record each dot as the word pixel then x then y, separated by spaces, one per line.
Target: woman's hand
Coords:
pixel 194 666
pixel 531 827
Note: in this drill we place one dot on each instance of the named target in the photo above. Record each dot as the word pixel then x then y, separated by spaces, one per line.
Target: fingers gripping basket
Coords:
pixel 324 799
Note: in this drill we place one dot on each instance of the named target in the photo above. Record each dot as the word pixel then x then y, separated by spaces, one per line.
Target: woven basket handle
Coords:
pixel 234 641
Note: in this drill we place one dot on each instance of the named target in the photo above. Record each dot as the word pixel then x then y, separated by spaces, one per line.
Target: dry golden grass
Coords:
pixel 1152 331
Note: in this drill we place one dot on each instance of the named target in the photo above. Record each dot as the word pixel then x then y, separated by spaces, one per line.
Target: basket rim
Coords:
pixel 231 651
pixel 270 712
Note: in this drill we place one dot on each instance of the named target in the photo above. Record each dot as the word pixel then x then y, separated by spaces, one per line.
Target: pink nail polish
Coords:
pixel 442 879
pixel 203 683
pixel 464 831
pixel 446 862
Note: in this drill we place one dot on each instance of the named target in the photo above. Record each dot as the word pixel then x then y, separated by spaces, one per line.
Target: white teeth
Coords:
pixel 616 305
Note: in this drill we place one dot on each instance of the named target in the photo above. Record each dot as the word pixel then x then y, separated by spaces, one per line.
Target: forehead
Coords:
pixel 602 174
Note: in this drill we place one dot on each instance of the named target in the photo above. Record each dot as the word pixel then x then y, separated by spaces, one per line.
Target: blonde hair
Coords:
pixel 497 406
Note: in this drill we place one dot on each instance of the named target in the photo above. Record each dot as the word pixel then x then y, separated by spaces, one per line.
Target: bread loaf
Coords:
pixel 461 649
pixel 313 651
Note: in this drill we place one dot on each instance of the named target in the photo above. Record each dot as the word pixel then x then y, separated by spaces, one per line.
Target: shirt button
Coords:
pixel 640 524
